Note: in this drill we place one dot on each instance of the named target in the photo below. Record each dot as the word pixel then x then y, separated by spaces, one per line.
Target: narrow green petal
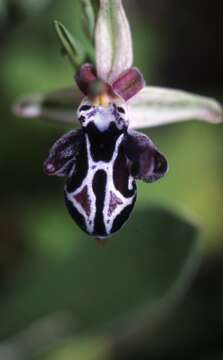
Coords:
pixel 58 106
pixel 70 46
pixel 113 41
pixel 88 17
pixel 155 106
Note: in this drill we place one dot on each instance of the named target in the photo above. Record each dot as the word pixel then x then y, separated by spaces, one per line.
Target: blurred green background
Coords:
pixel 139 297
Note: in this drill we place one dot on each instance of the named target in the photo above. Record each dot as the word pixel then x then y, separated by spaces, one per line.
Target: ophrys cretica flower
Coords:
pixel 102 160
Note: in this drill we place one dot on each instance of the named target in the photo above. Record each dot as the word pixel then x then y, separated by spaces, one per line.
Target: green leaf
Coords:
pixel 70 46
pixel 83 348
pixel 146 264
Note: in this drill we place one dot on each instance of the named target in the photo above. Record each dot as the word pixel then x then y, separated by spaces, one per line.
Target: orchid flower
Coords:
pixel 114 100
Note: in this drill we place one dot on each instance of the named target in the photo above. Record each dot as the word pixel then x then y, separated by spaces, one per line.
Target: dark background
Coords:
pixel 177 44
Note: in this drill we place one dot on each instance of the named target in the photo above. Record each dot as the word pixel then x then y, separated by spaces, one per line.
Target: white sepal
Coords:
pixel 58 106
pixel 154 106
pixel 113 41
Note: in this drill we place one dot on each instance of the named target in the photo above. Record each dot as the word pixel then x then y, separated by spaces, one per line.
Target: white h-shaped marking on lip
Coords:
pixel 108 167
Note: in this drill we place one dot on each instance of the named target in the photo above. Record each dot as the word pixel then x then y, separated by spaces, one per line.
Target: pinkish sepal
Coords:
pixel 85 77
pixel 129 84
